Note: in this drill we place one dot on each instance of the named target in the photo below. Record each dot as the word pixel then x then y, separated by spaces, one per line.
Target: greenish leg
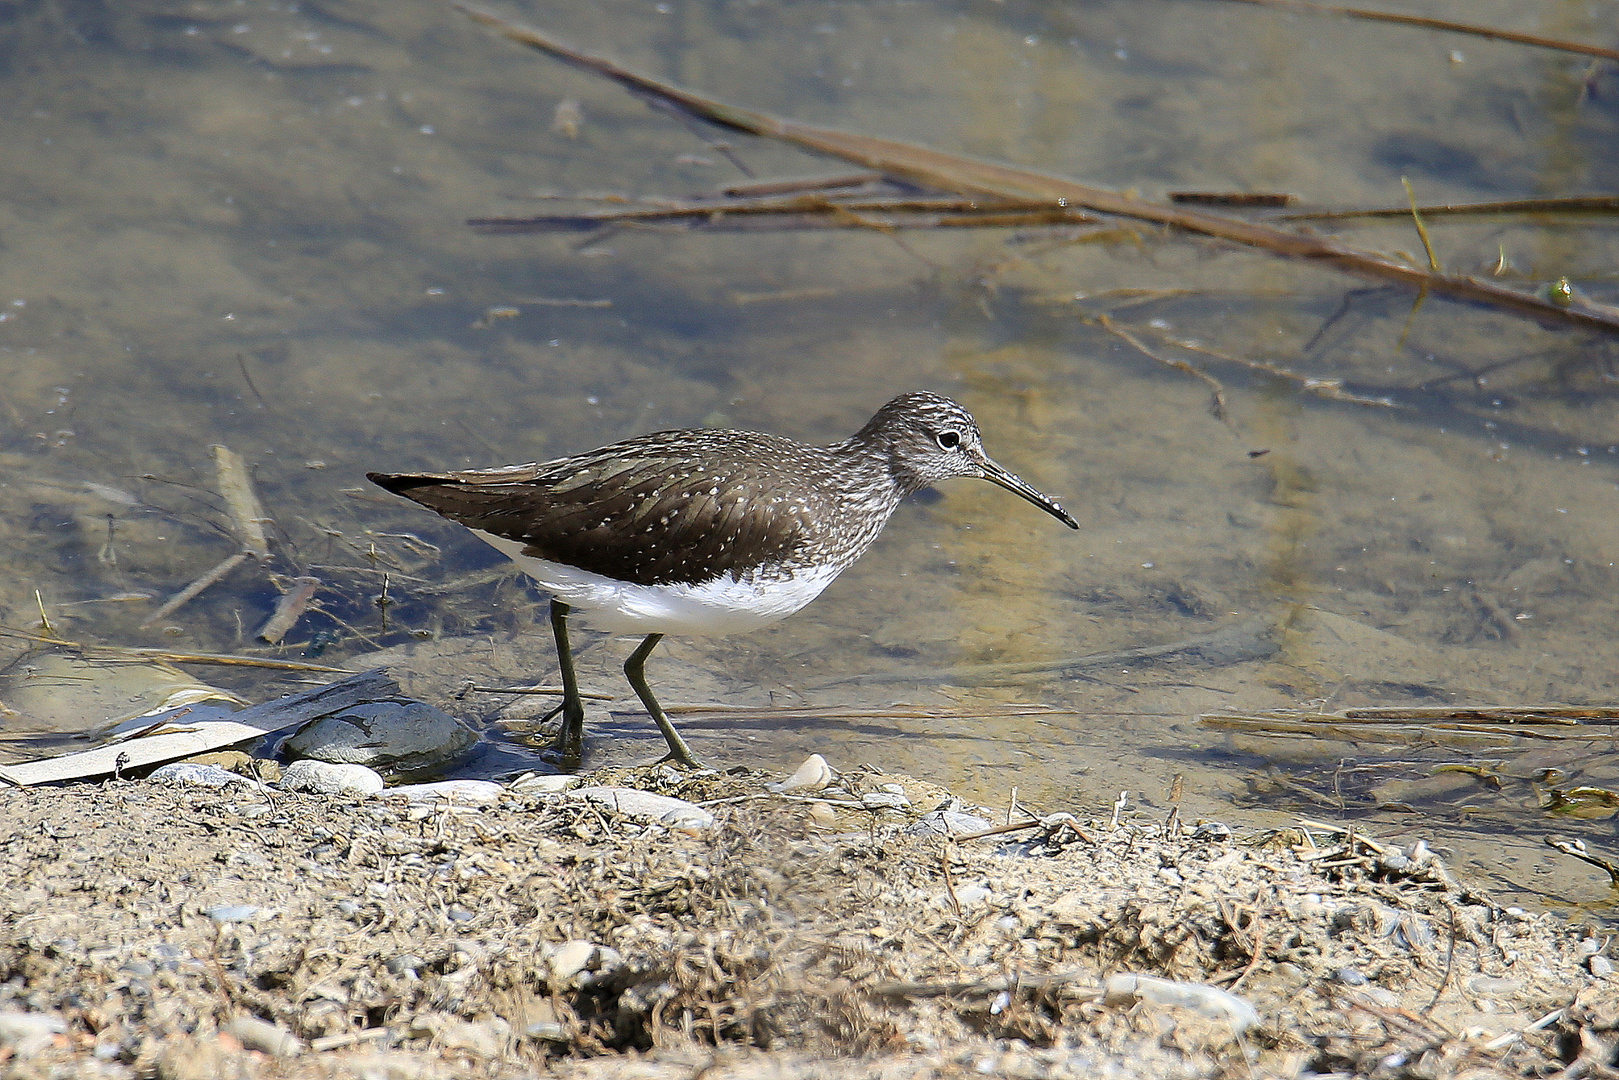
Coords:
pixel 635 671
pixel 570 742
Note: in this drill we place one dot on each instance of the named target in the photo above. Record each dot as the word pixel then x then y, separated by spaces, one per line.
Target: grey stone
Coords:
pixel 189 772
pixel 663 809
pixel 947 823
pixel 325 778
pixel 405 963
pixel 393 737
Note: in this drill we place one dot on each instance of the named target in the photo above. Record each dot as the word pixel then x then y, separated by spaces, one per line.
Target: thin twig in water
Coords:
pixel 185 595
pixel 1216 391
pixel 1439 24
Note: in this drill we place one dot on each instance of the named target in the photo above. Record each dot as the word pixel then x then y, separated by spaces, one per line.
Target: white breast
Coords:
pixel 721 606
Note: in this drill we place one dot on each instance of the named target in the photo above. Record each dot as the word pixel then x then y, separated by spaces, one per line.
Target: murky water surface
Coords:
pixel 241 223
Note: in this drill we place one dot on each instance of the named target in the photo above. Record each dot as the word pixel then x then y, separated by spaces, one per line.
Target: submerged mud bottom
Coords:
pixel 169 930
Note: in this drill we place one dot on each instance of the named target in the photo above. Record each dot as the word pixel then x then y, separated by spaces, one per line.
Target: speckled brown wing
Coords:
pixel 673 507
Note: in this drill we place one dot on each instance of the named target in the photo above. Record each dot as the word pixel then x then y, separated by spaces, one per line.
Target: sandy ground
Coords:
pixel 152 929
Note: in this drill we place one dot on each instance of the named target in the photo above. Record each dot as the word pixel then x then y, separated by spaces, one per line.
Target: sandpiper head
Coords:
pixel 927 438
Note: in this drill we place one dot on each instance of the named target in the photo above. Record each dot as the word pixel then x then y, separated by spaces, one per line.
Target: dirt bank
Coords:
pixel 179 931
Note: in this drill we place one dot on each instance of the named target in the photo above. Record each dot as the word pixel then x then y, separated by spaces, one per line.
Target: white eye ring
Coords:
pixel 948 440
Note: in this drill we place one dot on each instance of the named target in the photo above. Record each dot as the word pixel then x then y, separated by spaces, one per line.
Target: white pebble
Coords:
pixel 467 791
pixel 813 775
pixel 328 778
pixel 663 809
pixel 581 963
pixel 27 1033
pixel 1209 1001
pixel 189 772
pixel 967 895
pixel 265 1037
pixel 544 784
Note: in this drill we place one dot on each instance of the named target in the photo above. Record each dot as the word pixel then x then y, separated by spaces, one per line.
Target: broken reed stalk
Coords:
pixel 247 513
pixel 1572 204
pixel 920 164
pixel 247 520
pixel 289 609
pixel 1438 24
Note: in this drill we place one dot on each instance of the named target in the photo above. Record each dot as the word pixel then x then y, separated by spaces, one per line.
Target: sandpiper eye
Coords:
pixel 949 440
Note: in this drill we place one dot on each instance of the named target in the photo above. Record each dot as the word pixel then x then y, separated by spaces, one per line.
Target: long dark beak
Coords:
pixel 1013 483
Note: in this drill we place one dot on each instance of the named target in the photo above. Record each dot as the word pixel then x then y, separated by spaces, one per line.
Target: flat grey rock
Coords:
pixel 392 737
pixel 188 772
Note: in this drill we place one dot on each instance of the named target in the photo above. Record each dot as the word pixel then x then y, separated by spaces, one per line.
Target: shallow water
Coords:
pixel 241 223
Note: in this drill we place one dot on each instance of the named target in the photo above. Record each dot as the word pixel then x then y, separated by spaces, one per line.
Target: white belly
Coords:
pixel 722 606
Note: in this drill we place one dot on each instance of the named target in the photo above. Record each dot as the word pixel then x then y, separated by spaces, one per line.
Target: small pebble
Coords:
pixel 813 775
pixel 1350 977
pixel 972 894
pixel 947 823
pixel 479 792
pixel 884 800
pixel 232 913
pixel 582 963
pixel 265 1037
pixel 189 772
pixel 544 783
pixel 326 778
pixel 405 964
pixel 1491 986
pixel 27 1033
pixel 1209 1001
pixel 822 816
pixel 1600 966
